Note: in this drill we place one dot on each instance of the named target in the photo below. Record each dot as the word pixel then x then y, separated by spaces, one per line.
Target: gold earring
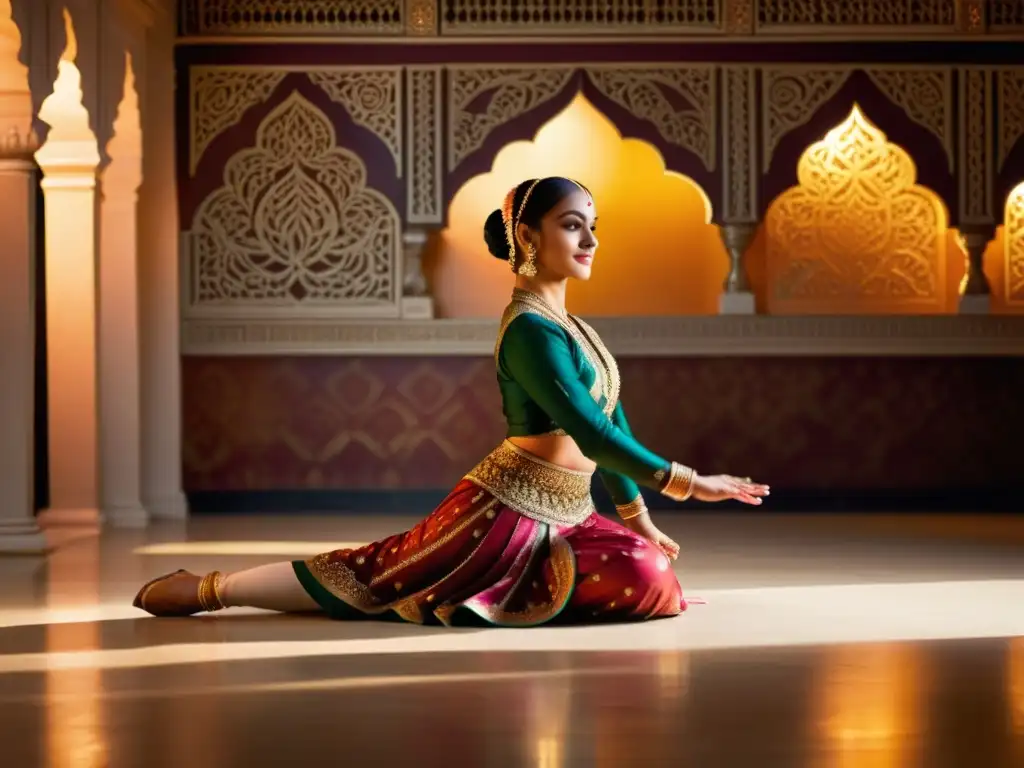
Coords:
pixel 529 266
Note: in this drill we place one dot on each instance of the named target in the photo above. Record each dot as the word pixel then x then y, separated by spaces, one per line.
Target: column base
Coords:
pixel 23 538
pixel 975 304
pixel 740 303
pixel 128 516
pixel 171 507
pixel 69 518
pixel 417 308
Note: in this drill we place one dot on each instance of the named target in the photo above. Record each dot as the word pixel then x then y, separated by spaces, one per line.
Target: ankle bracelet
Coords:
pixel 209 592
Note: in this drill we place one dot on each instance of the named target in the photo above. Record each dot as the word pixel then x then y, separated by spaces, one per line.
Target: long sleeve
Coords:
pixel 621 488
pixel 538 355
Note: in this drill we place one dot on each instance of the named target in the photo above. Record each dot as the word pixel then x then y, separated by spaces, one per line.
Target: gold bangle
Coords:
pixel 679 485
pixel 635 508
pixel 209 594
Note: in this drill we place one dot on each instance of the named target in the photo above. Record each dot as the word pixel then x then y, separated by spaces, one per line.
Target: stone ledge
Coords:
pixel 684 336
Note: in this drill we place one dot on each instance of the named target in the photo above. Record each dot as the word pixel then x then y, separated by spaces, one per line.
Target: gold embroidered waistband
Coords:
pixel 533 487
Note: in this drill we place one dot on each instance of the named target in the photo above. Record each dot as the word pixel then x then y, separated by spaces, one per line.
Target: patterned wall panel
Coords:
pixel 414 423
pixel 977 158
pixel 295 228
pixel 424 136
pixel 857 234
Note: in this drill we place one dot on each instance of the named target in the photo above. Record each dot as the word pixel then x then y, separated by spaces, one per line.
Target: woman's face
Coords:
pixel 566 241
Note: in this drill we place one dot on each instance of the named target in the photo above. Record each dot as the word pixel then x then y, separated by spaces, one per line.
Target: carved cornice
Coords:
pixel 710 336
pixel 864 19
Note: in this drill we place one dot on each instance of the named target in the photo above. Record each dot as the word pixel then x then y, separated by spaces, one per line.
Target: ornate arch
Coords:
pixel 673 107
pixel 294 229
pixel 913 104
pixel 857 233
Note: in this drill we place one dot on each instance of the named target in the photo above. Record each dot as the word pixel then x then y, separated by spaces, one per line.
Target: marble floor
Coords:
pixel 857 642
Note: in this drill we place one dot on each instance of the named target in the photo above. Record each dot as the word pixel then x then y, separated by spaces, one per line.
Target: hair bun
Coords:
pixel 495 235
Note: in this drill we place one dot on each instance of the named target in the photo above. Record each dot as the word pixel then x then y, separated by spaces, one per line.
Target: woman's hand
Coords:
pixel 722 487
pixel 642 525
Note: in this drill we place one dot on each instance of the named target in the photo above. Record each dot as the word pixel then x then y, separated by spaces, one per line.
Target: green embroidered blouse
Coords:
pixel 557 377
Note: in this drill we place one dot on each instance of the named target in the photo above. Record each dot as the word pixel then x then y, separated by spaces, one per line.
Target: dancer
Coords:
pixel 517 542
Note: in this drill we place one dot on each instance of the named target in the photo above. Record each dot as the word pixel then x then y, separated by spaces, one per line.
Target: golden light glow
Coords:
pixel 1014 677
pixel 69 159
pixel 549 720
pixel 857 235
pixel 65 113
pixel 244 548
pixel 871 706
pixel 658 253
pixel 1013 246
pixel 1015 684
pixel 75 722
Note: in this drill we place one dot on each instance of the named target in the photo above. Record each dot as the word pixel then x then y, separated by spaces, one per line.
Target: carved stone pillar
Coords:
pixel 416 301
pixel 740 180
pixel 18 530
pixel 69 159
pixel 737 298
pixel 159 316
pixel 977 298
pixel 119 318
pixel 976 173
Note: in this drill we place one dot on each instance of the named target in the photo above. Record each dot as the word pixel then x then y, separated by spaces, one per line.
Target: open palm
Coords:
pixel 722 487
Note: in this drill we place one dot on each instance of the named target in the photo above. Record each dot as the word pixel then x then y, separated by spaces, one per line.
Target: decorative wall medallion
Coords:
pixel 294 229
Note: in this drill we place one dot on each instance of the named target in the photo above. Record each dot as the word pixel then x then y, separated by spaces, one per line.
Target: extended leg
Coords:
pixel 271 587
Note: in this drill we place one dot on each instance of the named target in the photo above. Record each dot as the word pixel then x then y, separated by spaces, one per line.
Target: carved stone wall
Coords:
pixel 296 215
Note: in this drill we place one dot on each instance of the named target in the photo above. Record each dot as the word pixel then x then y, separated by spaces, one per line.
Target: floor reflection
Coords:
pixel 816 649
pixel 870 708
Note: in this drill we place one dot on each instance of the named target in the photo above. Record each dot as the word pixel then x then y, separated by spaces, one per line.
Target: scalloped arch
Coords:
pixel 659 253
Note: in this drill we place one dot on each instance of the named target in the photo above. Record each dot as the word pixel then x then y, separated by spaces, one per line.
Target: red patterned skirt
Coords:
pixel 517 543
